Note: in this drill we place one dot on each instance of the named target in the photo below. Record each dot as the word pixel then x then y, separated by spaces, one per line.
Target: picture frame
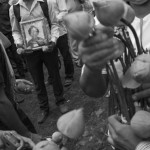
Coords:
pixel 35 33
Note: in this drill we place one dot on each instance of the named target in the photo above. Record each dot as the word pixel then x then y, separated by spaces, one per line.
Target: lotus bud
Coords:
pixel 72 124
pixel 141 68
pixel 140 123
pixel 138 73
pixel 57 137
pixel 109 12
pixel 128 15
pixel 46 145
pixel 64 148
pixel 79 25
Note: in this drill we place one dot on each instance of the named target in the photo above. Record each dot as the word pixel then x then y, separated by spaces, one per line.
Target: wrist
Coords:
pixel 19 45
pixel 94 70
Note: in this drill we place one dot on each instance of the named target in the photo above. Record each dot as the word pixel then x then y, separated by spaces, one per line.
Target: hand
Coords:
pixel 36 137
pixel 121 135
pixel 20 51
pixel 45 48
pixel 51 46
pixel 41 42
pixel 144 93
pixel 22 140
pixel 96 51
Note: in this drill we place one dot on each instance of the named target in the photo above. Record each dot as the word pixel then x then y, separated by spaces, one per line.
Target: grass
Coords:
pixel 95 113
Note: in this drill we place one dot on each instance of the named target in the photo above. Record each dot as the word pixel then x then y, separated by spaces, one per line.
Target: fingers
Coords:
pixel 114 122
pixel 110 140
pixel 100 58
pixel 29 141
pixel 98 46
pixel 142 94
pixel 23 140
pixel 99 37
pixel 145 86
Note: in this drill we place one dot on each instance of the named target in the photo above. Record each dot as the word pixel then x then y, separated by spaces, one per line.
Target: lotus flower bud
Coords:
pixel 140 123
pixel 109 12
pixel 128 15
pixel 140 68
pixel 72 124
pixel 57 137
pixel 138 73
pixel 79 25
pixel 64 148
pixel 46 145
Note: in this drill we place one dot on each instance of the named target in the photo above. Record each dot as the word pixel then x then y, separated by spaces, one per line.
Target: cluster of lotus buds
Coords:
pixel 109 12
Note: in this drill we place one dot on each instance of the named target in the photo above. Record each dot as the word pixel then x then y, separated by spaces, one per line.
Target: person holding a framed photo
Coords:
pixel 31 14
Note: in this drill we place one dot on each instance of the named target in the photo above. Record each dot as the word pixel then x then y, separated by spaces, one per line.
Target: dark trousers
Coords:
pixel 63 45
pixel 15 59
pixel 35 63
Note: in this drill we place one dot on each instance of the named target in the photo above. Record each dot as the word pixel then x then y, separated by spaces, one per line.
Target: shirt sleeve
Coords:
pixel 54 22
pixel 145 145
pixel 61 9
pixel 16 33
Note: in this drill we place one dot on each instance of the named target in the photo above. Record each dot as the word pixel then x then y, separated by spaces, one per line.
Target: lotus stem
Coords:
pixel 135 35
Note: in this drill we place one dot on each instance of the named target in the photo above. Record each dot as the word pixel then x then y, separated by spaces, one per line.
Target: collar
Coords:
pixel 21 2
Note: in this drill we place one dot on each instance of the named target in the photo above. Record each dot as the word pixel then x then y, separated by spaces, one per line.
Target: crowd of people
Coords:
pixel 18 56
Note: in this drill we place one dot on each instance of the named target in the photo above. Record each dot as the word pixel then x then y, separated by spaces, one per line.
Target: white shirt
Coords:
pixel 34 13
pixel 142 29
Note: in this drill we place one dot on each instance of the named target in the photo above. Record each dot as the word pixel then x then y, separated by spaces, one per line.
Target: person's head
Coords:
pixel 33 32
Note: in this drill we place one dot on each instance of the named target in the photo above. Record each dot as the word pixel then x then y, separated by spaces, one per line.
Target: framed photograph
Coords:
pixel 34 33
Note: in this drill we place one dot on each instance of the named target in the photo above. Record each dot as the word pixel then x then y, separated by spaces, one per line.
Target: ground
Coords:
pixel 95 113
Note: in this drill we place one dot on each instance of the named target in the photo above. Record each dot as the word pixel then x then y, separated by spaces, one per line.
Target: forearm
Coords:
pixel 54 22
pixel 93 83
pixel 9 117
pixel 16 33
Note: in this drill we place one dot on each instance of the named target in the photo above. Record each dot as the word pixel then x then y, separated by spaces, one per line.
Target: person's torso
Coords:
pixel 142 28
pixel 34 13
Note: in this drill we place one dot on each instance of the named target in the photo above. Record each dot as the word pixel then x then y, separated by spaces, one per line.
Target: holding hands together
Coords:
pixel 96 51
pixel 121 135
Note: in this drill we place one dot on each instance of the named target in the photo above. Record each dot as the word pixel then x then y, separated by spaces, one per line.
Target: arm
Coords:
pixel 54 22
pixel 60 9
pixel 94 84
pixel 95 53
pixel 8 115
pixel 16 33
